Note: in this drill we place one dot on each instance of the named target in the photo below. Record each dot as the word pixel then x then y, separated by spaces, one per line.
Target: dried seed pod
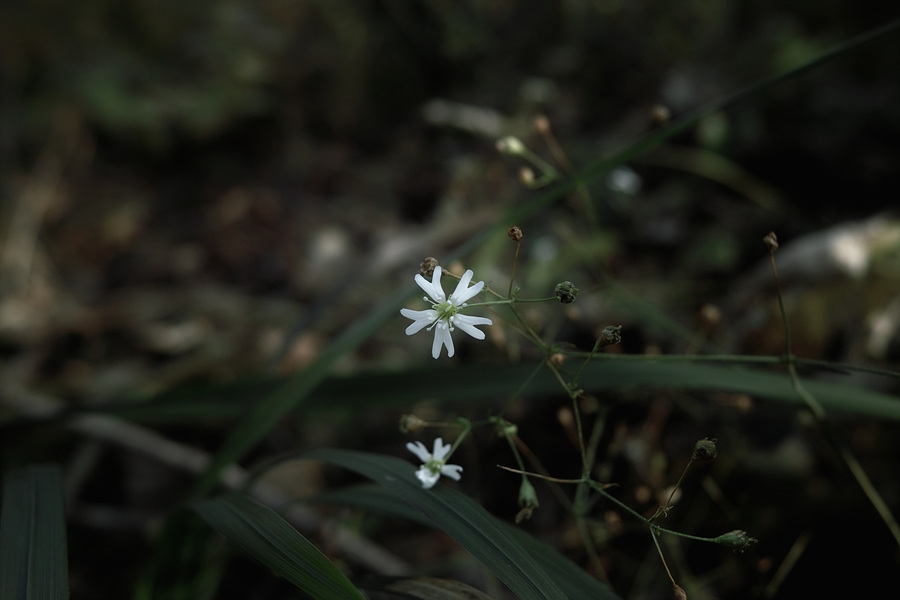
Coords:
pixel 515 233
pixel 412 423
pixel 771 241
pixel 660 114
pixel 704 450
pixel 426 269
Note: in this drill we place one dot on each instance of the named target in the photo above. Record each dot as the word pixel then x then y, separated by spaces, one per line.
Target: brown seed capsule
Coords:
pixel 711 314
pixel 660 114
pixel 412 423
pixel 542 124
pixel 426 269
pixel 526 176
pixel 771 241
pixel 515 233
pixel 704 450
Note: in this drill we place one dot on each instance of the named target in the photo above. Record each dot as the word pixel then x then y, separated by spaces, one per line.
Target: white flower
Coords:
pixel 444 313
pixel 433 463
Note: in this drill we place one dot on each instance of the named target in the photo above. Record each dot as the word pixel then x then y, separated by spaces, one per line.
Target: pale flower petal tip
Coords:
pixel 445 313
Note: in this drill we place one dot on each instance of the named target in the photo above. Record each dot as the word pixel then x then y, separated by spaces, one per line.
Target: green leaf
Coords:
pixel 271 540
pixel 530 569
pixel 33 559
pixel 573 580
pixel 423 588
pixel 186 564
pixel 608 372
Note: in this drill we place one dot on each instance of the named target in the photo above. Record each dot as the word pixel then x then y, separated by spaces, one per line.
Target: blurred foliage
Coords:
pixel 197 192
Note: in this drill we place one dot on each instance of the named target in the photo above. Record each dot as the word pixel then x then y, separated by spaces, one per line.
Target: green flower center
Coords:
pixel 445 310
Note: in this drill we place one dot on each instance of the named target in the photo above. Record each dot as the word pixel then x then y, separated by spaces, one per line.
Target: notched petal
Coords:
pixel 442 338
pixel 452 471
pixel 419 449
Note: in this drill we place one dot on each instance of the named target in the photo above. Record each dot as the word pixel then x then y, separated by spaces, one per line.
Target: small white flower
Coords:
pixel 444 315
pixel 433 463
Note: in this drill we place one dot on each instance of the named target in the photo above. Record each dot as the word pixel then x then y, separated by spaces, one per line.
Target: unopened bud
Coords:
pixel 505 428
pixel 510 145
pixel 515 233
pixel 704 450
pixel 542 124
pixel 426 269
pixel 611 334
pixel 558 358
pixel 771 241
pixel 412 423
pixel 527 500
pixel 710 314
pixel 678 592
pixel 566 292
pixel 526 176
pixel 737 540
pixel 660 114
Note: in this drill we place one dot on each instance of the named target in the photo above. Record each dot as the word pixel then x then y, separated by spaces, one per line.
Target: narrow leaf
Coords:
pixel 612 372
pixel 271 540
pixel 573 580
pixel 495 544
pixel 33 558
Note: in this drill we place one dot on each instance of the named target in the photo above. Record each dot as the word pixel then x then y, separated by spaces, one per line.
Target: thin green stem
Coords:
pixel 662 558
pixel 784 318
pixel 856 469
pixel 512 276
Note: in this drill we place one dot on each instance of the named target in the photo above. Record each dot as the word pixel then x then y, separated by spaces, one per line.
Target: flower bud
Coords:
pixel 505 428
pixel 710 314
pixel 412 423
pixel 611 334
pixel 426 269
pixel 566 292
pixel 771 241
pixel 660 114
pixel 704 450
pixel 515 233
pixel 510 145
pixel 737 540
pixel 526 176
pixel 527 500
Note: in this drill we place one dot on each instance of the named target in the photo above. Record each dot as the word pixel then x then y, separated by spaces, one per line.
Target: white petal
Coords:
pixel 463 283
pixel 419 449
pixel 432 288
pixel 440 450
pixel 422 318
pixel 461 294
pixel 426 476
pixel 442 338
pixel 452 471
pixel 467 324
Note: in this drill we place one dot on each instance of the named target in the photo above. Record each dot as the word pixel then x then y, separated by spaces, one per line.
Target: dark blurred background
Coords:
pixel 195 192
